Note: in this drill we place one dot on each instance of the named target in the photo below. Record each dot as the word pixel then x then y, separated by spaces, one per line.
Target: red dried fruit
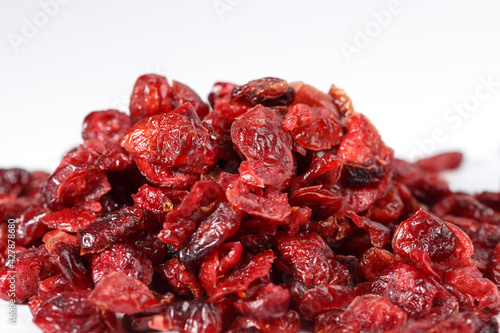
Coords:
pixel 426 232
pixel 268 91
pixel 110 227
pixel 123 258
pixel 441 162
pixel 109 125
pixel 158 200
pixel 75 186
pixel 272 206
pixel 48 288
pixel 57 315
pixel 212 232
pixel 188 317
pixel 51 238
pixel 323 298
pixel 408 288
pixel 264 301
pixel 289 323
pixel 71 265
pixel 258 135
pixel 203 196
pixel 71 219
pixel 375 260
pixel 313 127
pixel 13 181
pixel 180 223
pixel 178 138
pixel 451 323
pixel 152 95
pixel 374 314
pixel 108 156
pixel 310 260
pixel 494 266
pixel 118 292
pixel 183 94
pixel 367 159
pixel 29 226
pixel 474 292
pixel 218 263
pixel 341 100
pixel 25 269
pixel 307 94
pixel 181 278
pixel 240 278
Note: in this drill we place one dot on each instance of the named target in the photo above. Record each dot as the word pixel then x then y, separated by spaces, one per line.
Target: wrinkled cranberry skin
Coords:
pixel 182 279
pixel 258 135
pixel 211 233
pixel 374 314
pixel 109 228
pixel 494 266
pixel 71 219
pixel 13 181
pixel 71 265
pixel 310 260
pixel 268 91
pixel 74 186
pixel 183 94
pixel 313 128
pixel 27 269
pixel 178 138
pixel 105 125
pixel 426 232
pixel 181 222
pixel 323 298
pixel 123 258
pixel 152 95
pixel 239 280
pixel 267 301
pixel 441 162
pixel 58 315
pixel 408 288
pixel 119 292
pixel 188 317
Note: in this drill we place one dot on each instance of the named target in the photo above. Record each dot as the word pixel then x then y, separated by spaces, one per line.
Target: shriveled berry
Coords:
pixel 258 135
pixel 119 292
pixel 426 232
pixel 71 312
pixel 152 95
pixel 124 258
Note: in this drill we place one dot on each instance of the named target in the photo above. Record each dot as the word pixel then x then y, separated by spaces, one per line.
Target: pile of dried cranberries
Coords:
pixel 272 208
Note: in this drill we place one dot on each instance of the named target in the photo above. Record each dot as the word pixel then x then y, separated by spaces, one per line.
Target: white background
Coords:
pixel 405 75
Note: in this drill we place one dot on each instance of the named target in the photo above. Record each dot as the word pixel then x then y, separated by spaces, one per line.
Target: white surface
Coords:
pixel 427 57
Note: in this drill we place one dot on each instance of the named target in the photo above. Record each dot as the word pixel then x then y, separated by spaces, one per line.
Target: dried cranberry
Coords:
pixel 374 313
pixel 426 232
pixel 211 233
pixel 152 95
pixel 313 127
pixel 74 186
pixel 268 91
pixel 119 292
pixel 123 258
pixel 105 125
pixel 323 298
pixel 109 228
pixel 178 138
pixel 239 280
pixel 188 317
pixel 258 135
pixel 57 314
